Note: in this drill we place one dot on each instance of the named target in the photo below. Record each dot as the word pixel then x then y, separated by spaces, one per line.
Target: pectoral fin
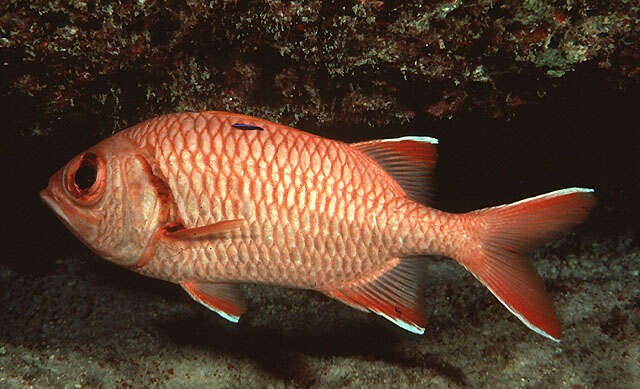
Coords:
pixel 214 230
pixel 226 299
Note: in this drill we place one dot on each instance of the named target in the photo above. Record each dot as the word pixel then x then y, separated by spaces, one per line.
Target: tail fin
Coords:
pixel 504 234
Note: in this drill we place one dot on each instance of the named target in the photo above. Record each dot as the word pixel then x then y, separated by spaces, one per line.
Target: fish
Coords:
pixel 213 200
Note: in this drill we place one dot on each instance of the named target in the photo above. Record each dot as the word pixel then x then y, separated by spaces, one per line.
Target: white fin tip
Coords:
pixel 231 318
pixel 426 139
pixel 559 192
pixel 411 328
pixel 522 319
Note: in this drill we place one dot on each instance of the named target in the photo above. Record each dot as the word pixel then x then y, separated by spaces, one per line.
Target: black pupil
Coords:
pixel 85 176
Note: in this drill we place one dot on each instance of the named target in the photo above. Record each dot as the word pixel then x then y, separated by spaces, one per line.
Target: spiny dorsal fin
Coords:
pixel 214 230
pixel 410 160
pixel 226 299
pixel 396 295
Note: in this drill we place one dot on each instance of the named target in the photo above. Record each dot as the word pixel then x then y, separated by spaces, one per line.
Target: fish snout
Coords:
pixel 50 199
pixel 45 196
pixel 67 214
pixel 49 194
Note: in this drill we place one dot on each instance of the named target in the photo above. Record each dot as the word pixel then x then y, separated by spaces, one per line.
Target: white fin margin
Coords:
pixel 525 321
pixel 516 314
pixel 555 193
pixel 426 139
pixel 231 318
pixel 409 327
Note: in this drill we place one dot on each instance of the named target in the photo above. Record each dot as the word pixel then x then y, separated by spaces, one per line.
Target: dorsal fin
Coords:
pixel 409 160
pixel 396 295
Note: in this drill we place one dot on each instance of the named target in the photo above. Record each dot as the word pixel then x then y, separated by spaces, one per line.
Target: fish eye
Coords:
pixel 82 183
pixel 85 176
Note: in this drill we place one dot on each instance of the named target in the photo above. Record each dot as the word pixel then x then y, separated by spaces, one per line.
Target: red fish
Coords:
pixel 212 200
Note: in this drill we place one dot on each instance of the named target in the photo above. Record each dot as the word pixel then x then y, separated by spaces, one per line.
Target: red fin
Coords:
pixel 396 295
pixel 506 233
pixel 209 231
pixel 410 160
pixel 226 299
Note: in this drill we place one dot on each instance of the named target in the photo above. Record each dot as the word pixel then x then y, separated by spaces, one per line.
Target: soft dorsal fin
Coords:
pixel 410 160
pixel 209 231
pixel 226 299
pixel 396 295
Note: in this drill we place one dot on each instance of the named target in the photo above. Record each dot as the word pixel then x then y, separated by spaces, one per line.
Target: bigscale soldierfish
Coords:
pixel 212 200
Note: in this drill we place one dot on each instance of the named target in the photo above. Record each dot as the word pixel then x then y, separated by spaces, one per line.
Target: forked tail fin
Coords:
pixel 503 235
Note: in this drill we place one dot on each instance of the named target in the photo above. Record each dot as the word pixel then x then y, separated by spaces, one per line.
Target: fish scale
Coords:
pixel 212 200
pixel 289 261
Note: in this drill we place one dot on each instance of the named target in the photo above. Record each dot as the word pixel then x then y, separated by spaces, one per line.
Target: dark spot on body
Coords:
pixel 241 126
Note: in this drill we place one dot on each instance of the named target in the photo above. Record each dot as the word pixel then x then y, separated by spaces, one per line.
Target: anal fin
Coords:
pixel 396 295
pixel 224 298
pixel 214 230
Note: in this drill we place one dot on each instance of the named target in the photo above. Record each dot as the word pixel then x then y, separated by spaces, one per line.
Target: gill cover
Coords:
pixel 141 210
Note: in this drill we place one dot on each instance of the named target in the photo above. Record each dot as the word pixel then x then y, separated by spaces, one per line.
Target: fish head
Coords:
pixel 109 198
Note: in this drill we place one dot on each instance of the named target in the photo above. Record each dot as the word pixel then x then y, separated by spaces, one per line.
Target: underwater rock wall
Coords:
pixel 320 63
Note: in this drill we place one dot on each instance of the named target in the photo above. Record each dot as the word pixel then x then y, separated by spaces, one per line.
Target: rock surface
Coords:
pixel 375 63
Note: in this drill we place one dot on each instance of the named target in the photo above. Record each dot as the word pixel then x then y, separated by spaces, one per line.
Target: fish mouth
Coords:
pixel 51 201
